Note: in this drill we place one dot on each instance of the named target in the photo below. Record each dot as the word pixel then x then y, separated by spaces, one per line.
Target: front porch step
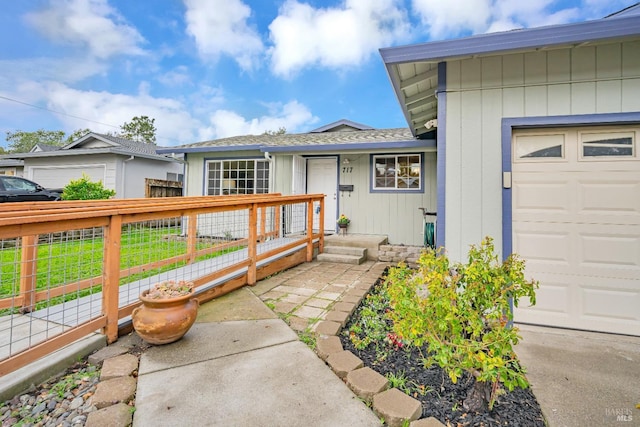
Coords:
pixel 343 255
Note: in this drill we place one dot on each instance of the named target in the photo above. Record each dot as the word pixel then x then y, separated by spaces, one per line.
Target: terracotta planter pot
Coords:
pixel 163 321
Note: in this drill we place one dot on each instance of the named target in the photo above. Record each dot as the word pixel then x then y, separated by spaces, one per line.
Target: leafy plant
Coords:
pixel 85 189
pixel 462 311
pixel 398 381
pixel 372 328
pixel 343 220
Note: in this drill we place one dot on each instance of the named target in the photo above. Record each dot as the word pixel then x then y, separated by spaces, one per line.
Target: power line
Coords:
pixel 57 112
pixel 69 115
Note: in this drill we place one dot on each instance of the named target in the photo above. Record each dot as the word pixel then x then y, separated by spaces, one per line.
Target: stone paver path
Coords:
pixel 308 293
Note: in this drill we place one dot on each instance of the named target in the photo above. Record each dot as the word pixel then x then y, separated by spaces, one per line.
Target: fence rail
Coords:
pixel 68 269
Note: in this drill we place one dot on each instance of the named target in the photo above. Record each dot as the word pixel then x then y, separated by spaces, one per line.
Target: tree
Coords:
pixel 23 142
pixel 77 134
pixel 140 129
pixel 281 131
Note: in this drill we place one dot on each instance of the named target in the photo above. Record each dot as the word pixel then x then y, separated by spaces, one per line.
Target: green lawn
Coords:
pixel 65 260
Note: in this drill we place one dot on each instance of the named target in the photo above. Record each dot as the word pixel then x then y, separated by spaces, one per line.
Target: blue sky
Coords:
pixel 207 69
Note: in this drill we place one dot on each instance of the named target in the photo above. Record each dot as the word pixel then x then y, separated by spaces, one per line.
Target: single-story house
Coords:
pixel 379 178
pixel 121 164
pixel 538 145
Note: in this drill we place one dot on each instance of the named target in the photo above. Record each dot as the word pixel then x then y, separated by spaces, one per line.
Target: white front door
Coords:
pixel 322 177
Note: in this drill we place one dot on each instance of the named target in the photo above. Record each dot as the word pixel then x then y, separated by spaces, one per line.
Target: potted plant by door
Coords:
pixel 167 312
pixel 343 223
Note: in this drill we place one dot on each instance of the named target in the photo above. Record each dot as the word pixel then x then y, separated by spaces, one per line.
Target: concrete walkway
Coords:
pixel 583 379
pixel 241 365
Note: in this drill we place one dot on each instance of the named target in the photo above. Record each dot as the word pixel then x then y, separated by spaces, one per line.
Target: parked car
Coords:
pixel 16 189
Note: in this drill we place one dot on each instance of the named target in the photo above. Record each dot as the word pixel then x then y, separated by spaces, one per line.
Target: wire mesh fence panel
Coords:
pixel 49 283
pixel 295 219
pixel 57 286
pixel 148 249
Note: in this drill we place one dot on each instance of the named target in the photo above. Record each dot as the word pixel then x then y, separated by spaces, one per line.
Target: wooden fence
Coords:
pixel 35 239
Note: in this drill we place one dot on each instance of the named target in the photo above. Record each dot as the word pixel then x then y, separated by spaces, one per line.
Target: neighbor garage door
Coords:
pixel 58 177
pixel 576 222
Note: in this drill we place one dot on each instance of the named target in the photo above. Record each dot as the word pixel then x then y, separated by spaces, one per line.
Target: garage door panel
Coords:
pixel 59 177
pixel 611 249
pixel 551 247
pixel 576 223
pixel 542 198
pixel 606 303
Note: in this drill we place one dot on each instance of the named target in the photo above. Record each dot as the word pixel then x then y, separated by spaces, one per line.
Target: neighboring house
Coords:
pixel 538 145
pixel 121 164
pixel 11 167
pixel 353 164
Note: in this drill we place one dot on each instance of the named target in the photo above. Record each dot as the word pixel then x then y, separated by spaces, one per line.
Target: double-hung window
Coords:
pixel 237 177
pixel 397 172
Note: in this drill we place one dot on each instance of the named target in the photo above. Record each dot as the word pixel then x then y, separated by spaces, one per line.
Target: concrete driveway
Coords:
pixel 583 378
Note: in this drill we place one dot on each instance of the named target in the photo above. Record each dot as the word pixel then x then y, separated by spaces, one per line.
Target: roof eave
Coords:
pixel 502 42
pixel 207 149
pixel 418 143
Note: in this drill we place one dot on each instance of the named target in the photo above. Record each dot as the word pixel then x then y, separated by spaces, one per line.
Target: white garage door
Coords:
pixel 576 222
pixel 58 177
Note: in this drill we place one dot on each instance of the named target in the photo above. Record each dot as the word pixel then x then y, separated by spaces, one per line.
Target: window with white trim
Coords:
pixel 397 172
pixel 237 177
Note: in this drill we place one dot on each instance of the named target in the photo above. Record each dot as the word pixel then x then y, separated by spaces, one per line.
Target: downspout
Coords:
pixel 124 175
pixel 272 170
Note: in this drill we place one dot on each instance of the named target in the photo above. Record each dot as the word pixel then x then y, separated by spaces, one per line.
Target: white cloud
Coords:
pixel 220 27
pixel 103 111
pixel 292 116
pixel 448 19
pixel 89 23
pixel 176 77
pixel 453 16
pixel 344 36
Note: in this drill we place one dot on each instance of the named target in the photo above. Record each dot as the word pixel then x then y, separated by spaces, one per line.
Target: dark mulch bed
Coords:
pixel 439 396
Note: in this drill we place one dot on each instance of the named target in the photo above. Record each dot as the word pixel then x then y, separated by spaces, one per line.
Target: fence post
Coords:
pixel 263 224
pixel 252 248
pixel 28 272
pixel 192 238
pixel 310 230
pixel 321 226
pixel 111 276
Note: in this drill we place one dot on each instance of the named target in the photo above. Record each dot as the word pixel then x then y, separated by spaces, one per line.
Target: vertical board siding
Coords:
pixel 482 91
pixel 394 214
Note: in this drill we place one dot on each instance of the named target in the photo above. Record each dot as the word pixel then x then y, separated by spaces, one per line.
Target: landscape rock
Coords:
pixel 395 407
pixel 119 366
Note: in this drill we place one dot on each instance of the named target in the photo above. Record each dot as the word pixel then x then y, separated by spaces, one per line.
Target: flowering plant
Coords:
pixel 343 220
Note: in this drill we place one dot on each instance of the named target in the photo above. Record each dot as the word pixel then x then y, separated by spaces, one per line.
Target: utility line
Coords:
pixel 57 112
pixel 68 115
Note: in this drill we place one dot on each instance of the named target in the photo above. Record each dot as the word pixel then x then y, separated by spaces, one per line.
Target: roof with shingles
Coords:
pixel 309 139
pixel 132 146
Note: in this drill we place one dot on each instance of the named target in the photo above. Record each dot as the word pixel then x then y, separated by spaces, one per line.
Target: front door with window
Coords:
pixel 322 177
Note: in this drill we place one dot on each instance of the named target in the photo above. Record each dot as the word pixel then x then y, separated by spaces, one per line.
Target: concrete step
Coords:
pixel 345 250
pixel 343 255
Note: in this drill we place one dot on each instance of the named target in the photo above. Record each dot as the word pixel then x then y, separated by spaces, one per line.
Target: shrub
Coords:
pixel 462 311
pixel 85 189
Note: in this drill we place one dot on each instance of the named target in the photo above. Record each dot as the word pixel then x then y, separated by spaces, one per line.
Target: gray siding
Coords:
pixel 481 91
pixel 131 175
pixel 394 214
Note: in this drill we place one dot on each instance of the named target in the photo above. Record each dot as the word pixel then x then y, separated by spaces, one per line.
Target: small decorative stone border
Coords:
pixel 392 405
